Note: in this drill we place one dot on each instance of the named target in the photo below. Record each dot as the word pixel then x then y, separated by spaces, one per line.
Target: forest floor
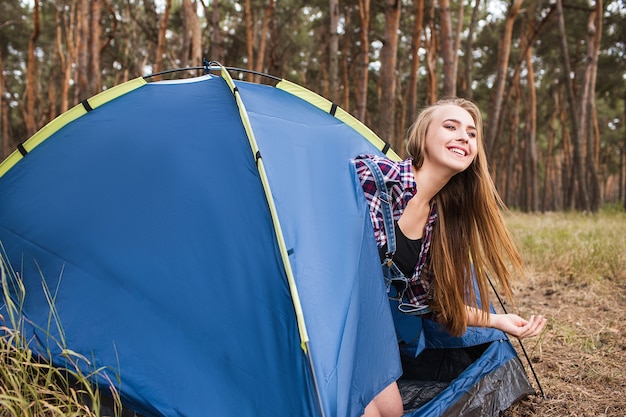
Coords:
pixel 580 359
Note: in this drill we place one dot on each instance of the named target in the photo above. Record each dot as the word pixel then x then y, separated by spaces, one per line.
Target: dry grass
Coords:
pixel 29 385
pixel 577 278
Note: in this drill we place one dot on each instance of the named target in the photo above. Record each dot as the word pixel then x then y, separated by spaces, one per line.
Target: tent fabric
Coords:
pixel 193 236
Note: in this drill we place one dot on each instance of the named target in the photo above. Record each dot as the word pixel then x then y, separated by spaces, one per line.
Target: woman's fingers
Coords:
pixel 533 327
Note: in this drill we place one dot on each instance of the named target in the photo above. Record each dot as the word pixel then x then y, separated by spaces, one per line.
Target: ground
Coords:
pixel 580 359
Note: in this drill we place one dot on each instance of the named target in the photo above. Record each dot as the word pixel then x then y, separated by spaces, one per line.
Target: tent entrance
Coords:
pixel 432 371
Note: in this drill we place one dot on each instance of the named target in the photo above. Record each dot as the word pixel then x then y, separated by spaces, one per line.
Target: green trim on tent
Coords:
pixel 304 337
pixel 66 118
pixel 329 107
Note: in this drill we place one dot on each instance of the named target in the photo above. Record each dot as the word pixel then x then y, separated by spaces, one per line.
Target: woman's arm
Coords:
pixel 508 323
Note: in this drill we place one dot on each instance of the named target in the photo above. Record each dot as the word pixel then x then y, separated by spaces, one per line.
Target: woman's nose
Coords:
pixel 464 136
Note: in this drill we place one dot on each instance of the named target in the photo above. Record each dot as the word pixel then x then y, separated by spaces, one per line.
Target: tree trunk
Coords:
pixel 160 50
pixel 569 184
pixel 415 61
pixel 333 51
pixel 509 196
pixel 577 120
pixel 95 45
pixel 249 38
pixel 548 191
pixel 81 73
pixel 217 44
pixel 67 56
pixel 533 179
pixel 504 51
pixel 185 46
pixel 191 54
pixel 531 125
pixel 30 93
pixel 111 33
pixel 594 31
pixel 469 47
pixel 345 73
pixel 265 33
pixel 447 49
pixel 389 58
pixel 623 159
pixel 6 146
pixel 363 60
pixel 196 37
pixel 457 44
pixel 432 47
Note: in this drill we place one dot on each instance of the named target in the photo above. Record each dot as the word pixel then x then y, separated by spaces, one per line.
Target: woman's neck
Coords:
pixel 429 182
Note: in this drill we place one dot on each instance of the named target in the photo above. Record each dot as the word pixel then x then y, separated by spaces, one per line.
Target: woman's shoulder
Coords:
pixel 391 170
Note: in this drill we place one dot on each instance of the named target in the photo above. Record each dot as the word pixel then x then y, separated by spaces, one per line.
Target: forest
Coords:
pixel 549 75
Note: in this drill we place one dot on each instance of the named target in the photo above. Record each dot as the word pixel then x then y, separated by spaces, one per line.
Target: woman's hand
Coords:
pixel 508 323
pixel 517 326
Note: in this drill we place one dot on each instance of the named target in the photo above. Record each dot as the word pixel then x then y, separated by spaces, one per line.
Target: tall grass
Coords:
pixel 29 385
pixel 574 245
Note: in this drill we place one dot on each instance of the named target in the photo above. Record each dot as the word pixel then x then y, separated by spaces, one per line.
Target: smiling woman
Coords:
pixel 437 219
pixel 451 130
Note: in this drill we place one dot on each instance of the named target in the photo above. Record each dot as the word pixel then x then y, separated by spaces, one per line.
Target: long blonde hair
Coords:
pixel 470 230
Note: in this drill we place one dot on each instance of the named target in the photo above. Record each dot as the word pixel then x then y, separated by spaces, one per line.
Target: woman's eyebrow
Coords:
pixel 458 122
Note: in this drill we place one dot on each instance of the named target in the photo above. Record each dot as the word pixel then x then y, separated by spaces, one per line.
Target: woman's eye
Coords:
pixel 471 134
pixel 449 127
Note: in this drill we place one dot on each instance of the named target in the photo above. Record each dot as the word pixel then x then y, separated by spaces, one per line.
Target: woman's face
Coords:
pixel 451 140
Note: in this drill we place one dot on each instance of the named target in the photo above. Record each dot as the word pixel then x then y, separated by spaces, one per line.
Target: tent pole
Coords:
pixel 295 298
pixel 318 394
pixel 532 369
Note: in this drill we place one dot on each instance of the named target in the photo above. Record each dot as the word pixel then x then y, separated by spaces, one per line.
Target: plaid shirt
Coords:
pixel 401 184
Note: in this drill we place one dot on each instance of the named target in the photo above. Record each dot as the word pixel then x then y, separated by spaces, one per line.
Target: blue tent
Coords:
pixel 204 243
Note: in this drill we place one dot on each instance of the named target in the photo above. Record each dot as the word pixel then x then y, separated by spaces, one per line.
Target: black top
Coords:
pixel 407 252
